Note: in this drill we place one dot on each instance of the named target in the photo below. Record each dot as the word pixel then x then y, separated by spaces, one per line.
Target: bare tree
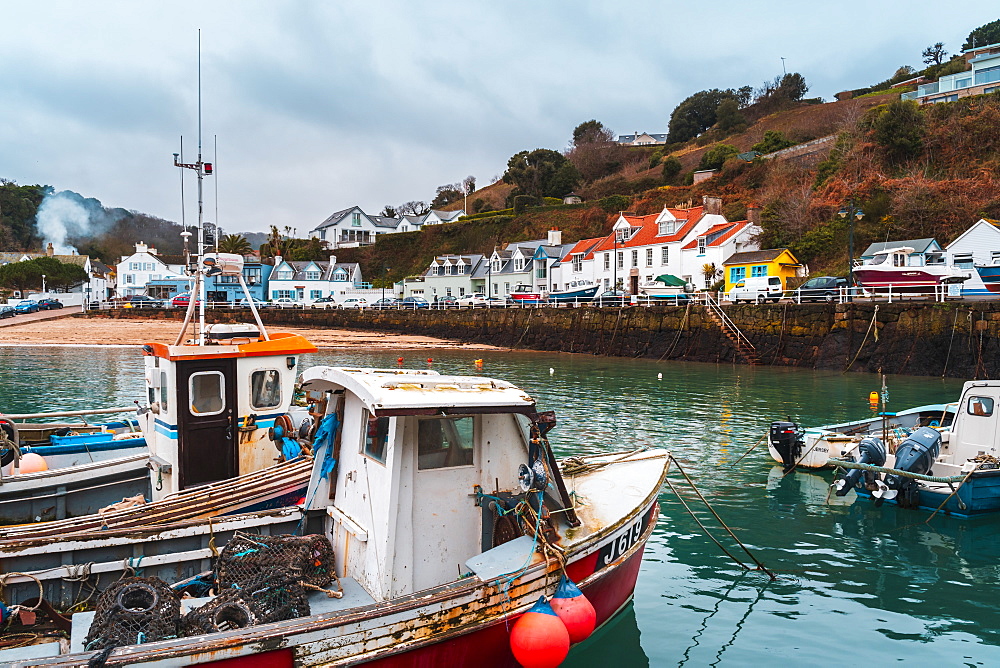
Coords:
pixel 413 208
pixel 469 183
pixel 934 54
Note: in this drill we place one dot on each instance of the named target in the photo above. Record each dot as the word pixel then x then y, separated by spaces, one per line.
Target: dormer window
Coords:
pixel 496 265
pixel 355 219
pixel 285 275
pixel 667 227
pixel 312 275
pixel 519 264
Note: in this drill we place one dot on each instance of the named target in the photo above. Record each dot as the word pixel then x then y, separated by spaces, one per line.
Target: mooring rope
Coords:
pixel 694 488
pixel 905 474
pixel 752 448
pixel 864 340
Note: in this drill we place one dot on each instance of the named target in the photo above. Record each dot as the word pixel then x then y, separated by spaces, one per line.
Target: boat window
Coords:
pixel 879 259
pixel 982 406
pixel 206 391
pixel 163 391
pixel 265 389
pixel 444 442
pixel 376 437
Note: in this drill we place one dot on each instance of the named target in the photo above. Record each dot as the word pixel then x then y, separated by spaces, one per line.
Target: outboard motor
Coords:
pixel 786 439
pixel 914 455
pixel 872 451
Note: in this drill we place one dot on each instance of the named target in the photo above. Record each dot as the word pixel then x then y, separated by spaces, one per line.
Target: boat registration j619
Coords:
pixel 623 540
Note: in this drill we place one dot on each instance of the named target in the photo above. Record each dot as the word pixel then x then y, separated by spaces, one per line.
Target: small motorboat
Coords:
pixel 526 294
pixel 813 447
pixel 666 286
pixel 581 291
pixel 902 270
pixel 436 501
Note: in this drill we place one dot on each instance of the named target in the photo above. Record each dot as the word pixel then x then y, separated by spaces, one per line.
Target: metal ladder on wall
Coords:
pixel 740 342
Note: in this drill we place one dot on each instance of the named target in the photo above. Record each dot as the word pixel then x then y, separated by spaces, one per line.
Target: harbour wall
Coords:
pixel 915 338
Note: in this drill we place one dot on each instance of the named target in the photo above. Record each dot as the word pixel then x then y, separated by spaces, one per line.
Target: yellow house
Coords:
pixel 773 262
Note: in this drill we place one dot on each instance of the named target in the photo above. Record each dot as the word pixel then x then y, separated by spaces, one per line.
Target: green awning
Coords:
pixel 671 280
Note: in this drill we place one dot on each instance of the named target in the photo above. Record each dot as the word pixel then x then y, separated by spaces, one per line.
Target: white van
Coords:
pixel 757 288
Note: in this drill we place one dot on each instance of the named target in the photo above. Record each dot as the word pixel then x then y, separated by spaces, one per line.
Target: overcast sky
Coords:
pixel 317 106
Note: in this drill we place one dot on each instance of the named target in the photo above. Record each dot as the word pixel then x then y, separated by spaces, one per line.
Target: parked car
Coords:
pixel 287 302
pixel 354 302
pixel 49 304
pixel 472 301
pixel 497 301
pixel 180 301
pixel 611 298
pixel 7 311
pixel 139 301
pixel 324 303
pixel 243 303
pixel 757 289
pixel 820 288
pixel 446 301
pixel 386 302
pixel 414 303
pixel 27 306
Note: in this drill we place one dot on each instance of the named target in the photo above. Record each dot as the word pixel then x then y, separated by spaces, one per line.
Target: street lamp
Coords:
pixel 43 284
pixel 851 213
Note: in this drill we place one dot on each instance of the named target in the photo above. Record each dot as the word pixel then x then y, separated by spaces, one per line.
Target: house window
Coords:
pixel 758 270
pixel 312 275
pixel 447 291
pixel 621 260
pixel 129 278
pixel 607 283
pixel 315 294
pixel 285 275
pixel 376 437
pixel 963 83
pixel 252 275
pixel 541 271
pixel 988 75
pixel 578 263
pixel 355 219
pixel 737 274
pixel 265 389
pixel 453 269
pixel 519 264
pixel 963 260
pixel 635 258
pixel 461 292
pixel 607 261
pixel 667 227
pixel 278 294
pixel 701 246
pixel 496 288
pixel 649 257
pixel 445 442
pixel 340 275
pixel 506 288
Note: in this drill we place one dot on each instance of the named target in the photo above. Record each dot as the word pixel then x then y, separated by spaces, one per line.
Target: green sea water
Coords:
pixel 856 584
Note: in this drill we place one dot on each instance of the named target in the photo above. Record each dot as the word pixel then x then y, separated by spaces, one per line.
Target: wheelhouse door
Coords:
pixel 206 421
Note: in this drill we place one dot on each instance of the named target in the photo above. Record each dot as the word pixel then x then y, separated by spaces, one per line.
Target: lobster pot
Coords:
pixel 247 556
pixel 133 611
pixel 273 596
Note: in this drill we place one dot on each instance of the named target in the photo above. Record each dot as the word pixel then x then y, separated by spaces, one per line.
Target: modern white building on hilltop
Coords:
pixel 353 227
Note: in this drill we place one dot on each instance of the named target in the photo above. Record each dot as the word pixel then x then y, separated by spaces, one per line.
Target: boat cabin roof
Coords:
pixel 280 344
pixel 420 392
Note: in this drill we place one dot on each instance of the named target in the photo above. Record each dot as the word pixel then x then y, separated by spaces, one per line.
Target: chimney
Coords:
pixel 333 261
pixel 50 250
pixel 753 214
pixel 555 237
pixel 140 247
pixel 277 260
pixel 713 205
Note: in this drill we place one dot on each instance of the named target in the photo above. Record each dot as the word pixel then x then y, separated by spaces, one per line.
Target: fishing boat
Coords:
pixel 665 286
pixel 903 270
pixel 446 513
pixel 814 447
pixel 575 291
pixel 990 276
pixel 526 294
pixel 955 471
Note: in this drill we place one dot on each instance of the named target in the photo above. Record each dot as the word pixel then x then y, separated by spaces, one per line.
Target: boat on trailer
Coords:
pixel 446 510
pixel 814 447
pixel 904 270
pixel 575 291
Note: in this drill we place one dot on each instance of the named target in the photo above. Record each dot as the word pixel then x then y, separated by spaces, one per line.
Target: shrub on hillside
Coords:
pixel 774 140
pixel 671 168
pixel 615 203
pixel 718 154
pixel 898 128
pixel 522 202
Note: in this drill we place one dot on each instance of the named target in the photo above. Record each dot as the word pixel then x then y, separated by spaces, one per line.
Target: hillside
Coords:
pixel 915 171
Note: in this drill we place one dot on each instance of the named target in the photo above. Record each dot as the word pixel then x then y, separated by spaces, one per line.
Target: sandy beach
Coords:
pixel 77 331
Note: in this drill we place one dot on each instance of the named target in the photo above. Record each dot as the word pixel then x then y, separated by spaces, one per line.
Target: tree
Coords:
pixel 235 243
pixel 28 274
pixel 983 35
pixel 447 194
pixel 714 157
pixel 469 184
pixel 534 173
pixel 934 54
pixel 413 208
pixel 899 128
pixel 671 168
pixel 388 211
pixel 696 114
pixel 774 140
pixel 592 132
pixel 728 116
pixel 710 272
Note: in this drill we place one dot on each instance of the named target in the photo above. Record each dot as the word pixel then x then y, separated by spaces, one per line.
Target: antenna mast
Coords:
pixel 202 169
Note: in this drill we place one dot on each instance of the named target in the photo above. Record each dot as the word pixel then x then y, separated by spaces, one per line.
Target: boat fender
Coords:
pixel 872 451
pixel 32 462
pixel 539 638
pixel 573 608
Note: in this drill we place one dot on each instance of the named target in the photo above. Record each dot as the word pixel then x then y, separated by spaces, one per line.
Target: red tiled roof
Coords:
pixel 648 233
pixel 728 231
pixel 585 246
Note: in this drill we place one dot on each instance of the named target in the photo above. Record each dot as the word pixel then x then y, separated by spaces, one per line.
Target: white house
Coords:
pixel 100 278
pixel 309 280
pixel 135 270
pixel 980 244
pixel 643 139
pixel 353 227
pixel 447 275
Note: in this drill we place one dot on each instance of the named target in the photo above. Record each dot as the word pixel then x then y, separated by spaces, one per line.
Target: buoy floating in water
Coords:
pixel 575 611
pixel 659 376
pixel 551 371
pixel 539 638
pixel 33 462
pixel 399 360
pixel 430 360
pixel 479 363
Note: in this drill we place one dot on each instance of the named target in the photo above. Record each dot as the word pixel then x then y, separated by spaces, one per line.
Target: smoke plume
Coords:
pixel 67 215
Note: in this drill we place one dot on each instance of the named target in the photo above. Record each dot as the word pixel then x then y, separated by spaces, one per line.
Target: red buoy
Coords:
pixel 539 638
pixel 573 608
pixel 430 360
pixel 399 360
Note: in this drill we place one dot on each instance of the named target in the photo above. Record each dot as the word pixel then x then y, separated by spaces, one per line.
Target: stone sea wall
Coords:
pixel 916 338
